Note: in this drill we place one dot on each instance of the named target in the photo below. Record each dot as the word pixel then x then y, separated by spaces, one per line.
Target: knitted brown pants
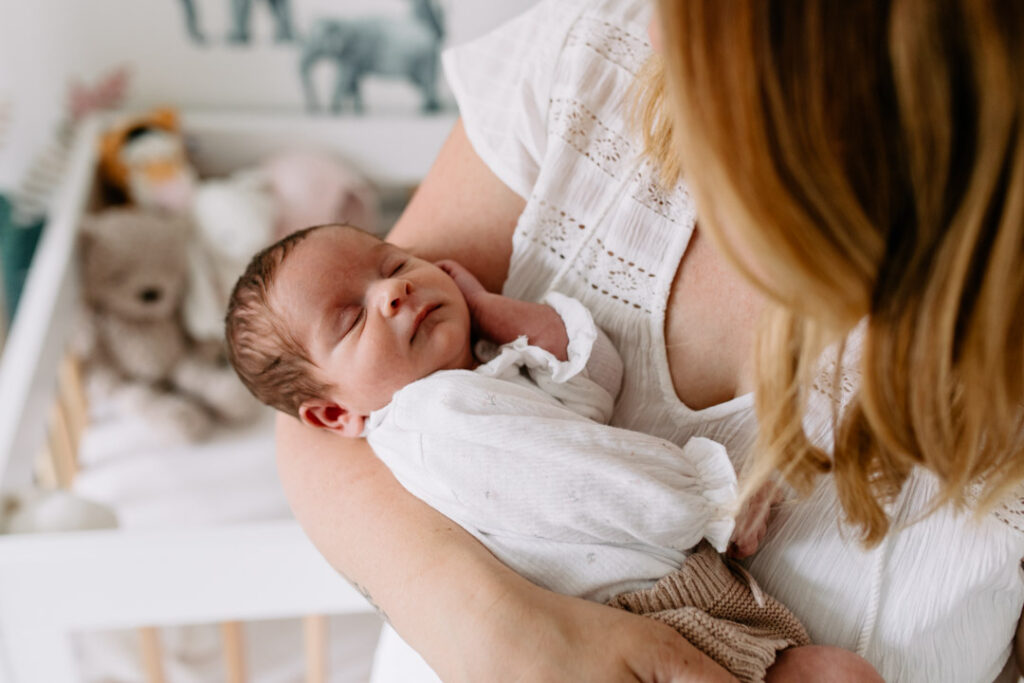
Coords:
pixel 722 612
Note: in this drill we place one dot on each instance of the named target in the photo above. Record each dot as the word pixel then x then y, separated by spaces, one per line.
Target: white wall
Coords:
pixel 44 43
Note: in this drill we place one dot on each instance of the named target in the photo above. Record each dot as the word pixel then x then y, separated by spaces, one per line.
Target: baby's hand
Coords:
pixel 752 521
pixel 491 314
pixel 502 319
pixel 467 283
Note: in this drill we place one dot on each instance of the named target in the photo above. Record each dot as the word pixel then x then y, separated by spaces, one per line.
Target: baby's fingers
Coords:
pixel 464 280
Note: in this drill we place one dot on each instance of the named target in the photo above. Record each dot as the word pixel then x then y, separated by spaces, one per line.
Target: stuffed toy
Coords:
pixel 133 265
pixel 313 188
pixel 144 159
pixel 234 218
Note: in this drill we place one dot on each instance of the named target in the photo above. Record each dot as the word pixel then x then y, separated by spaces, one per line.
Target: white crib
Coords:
pixel 52 586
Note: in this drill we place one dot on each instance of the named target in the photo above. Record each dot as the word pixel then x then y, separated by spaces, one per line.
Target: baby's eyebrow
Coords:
pixel 388 248
pixel 324 328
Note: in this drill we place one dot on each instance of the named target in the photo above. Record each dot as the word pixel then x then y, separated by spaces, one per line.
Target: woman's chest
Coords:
pixel 710 324
pixel 651 280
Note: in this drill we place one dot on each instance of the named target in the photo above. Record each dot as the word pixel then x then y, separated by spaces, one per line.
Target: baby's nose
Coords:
pixel 395 294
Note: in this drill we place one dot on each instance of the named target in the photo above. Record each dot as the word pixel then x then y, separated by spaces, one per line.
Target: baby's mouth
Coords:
pixel 421 316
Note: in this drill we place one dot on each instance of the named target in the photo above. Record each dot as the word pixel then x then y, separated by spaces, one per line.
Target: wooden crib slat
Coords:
pixel 63 446
pixel 72 394
pixel 152 657
pixel 314 628
pixel 233 643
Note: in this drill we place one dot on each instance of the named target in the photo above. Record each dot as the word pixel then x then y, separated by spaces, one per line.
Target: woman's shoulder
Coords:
pixel 513 83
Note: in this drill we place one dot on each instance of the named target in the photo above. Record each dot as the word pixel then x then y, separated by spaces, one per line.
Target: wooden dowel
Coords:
pixel 72 392
pixel 62 446
pixel 45 470
pixel 234 651
pixel 314 628
pixel 152 658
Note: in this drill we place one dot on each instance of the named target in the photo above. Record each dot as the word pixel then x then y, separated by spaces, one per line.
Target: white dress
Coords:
pixel 515 452
pixel 545 100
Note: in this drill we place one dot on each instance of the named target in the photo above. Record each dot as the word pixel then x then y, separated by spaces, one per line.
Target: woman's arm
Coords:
pixel 462 211
pixel 466 613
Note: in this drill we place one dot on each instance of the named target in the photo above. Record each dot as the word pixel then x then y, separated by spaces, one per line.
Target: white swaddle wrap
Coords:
pixel 511 452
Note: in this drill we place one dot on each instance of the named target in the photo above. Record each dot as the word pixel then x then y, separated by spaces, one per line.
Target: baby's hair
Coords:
pixel 269 360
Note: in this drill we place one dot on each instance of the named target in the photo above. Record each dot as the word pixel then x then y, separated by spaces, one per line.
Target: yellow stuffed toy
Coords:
pixel 144 158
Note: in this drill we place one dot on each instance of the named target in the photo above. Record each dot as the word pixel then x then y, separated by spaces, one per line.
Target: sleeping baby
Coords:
pixel 354 335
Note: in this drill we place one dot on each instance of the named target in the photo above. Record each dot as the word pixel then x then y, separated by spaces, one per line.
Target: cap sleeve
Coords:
pixel 502 83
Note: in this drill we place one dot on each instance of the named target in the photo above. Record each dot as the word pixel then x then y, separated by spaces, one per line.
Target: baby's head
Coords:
pixel 328 323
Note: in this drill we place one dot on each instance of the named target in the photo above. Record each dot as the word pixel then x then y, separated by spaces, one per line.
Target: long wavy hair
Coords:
pixel 864 160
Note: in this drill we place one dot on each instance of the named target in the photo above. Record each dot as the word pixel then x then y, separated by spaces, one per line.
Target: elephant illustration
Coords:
pixel 241 12
pixel 402 47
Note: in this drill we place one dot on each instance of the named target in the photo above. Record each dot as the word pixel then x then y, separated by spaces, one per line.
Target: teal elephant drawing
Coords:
pixel 401 48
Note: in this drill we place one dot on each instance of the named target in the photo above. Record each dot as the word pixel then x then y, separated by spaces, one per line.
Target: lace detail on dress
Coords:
pixel 580 128
pixel 613 43
pixel 551 227
pixel 616 277
pixel 838 389
pixel 600 268
pixel 1011 512
pixel 675 205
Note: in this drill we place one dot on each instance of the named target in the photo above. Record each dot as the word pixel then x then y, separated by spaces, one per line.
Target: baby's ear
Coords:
pixel 329 415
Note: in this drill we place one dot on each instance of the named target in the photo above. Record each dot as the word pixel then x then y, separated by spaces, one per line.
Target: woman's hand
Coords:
pixel 534 635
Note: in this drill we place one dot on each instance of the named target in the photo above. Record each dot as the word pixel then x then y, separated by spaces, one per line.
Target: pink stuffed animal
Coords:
pixel 313 188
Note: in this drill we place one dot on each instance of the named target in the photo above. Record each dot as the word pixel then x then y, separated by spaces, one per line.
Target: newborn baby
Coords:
pixel 354 335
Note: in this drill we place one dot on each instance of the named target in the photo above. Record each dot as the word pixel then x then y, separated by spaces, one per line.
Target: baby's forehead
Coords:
pixel 330 253
pixel 349 240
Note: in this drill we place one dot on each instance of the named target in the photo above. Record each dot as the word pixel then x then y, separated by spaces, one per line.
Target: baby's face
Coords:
pixel 372 317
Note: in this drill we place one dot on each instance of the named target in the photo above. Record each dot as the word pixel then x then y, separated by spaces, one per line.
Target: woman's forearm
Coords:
pixel 466 613
pixel 387 543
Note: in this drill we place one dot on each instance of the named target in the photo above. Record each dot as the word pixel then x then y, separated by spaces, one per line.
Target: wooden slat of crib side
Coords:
pixel 72 396
pixel 314 627
pixel 152 654
pixel 63 445
pixel 233 643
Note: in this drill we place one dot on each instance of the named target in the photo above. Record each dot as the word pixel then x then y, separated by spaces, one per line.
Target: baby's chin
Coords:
pixel 450 344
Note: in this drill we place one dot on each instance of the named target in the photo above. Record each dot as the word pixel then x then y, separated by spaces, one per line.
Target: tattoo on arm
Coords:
pixel 369 598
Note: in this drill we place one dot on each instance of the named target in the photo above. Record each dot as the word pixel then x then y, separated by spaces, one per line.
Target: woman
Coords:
pixel 852 160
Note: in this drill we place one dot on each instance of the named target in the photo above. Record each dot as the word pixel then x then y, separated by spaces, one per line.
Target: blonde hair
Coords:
pixel 871 156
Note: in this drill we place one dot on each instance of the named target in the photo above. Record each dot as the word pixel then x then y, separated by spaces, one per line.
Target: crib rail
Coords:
pixel 52 586
pixel 36 341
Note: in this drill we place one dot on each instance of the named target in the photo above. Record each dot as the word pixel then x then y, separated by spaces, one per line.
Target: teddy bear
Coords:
pixel 133 266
